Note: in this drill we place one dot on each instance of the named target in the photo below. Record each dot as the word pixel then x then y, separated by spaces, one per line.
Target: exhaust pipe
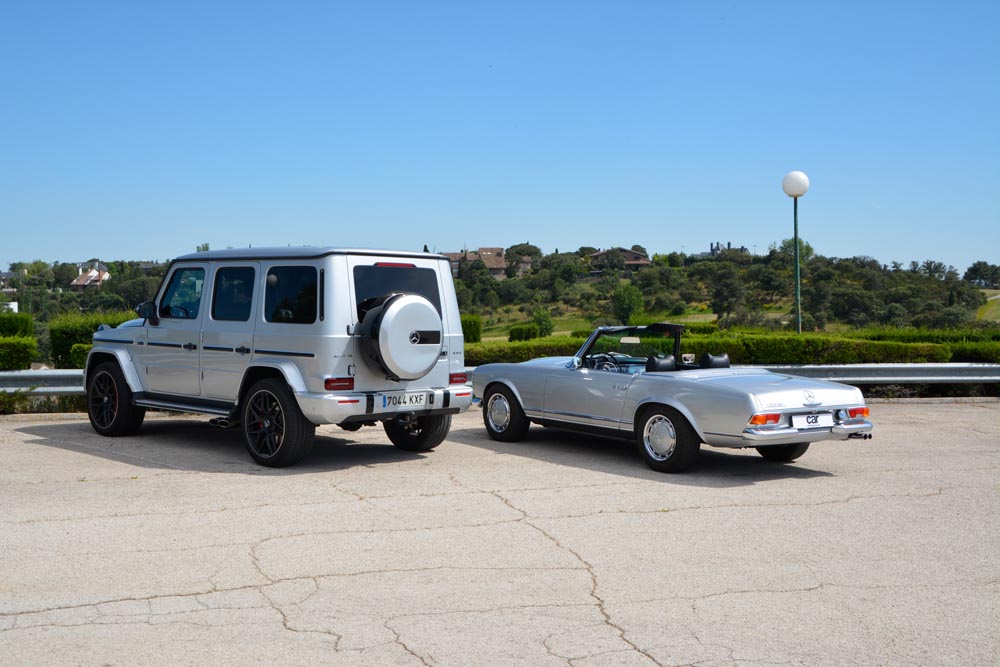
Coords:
pixel 223 422
pixel 860 436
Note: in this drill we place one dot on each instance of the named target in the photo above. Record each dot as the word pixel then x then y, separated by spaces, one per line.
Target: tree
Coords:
pixel 638 248
pixel 728 294
pixel 543 319
pixel 626 301
pixel 202 247
pixel 983 274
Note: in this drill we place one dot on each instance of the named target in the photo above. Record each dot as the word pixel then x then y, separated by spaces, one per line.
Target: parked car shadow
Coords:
pixel 716 468
pixel 187 444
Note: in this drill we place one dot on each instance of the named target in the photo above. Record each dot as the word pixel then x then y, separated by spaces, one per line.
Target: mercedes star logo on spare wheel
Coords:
pixel 414 337
pixel 810 397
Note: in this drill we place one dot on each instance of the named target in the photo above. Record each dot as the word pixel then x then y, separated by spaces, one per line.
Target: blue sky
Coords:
pixel 139 130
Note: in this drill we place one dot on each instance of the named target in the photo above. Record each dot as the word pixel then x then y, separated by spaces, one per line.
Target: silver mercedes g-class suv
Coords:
pixel 278 340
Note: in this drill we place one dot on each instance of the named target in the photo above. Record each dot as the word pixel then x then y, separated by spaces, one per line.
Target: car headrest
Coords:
pixel 715 360
pixel 656 364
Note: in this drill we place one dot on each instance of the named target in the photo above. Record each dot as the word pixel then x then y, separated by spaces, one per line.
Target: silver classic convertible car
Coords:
pixel 633 383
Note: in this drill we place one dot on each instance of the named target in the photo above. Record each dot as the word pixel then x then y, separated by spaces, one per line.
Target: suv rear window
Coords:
pixel 290 296
pixel 376 280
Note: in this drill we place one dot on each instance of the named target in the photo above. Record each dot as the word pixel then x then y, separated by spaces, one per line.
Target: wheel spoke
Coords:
pixel 103 400
pixel 265 424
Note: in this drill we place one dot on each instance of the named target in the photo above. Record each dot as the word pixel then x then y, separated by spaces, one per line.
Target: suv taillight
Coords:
pixel 339 384
pixel 458 378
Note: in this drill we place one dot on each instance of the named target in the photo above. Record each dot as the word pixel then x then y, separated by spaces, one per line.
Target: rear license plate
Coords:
pixel 812 421
pixel 415 399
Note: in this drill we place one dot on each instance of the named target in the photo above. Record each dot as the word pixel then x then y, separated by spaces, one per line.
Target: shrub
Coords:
pixel 68 330
pixel 987 352
pixel 914 335
pixel 472 328
pixel 16 324
pixel 78 355
pixel 815 349
pixel 478 354
pixel 523 332
pixel 16 352
pixel 581 333
pixel 543 320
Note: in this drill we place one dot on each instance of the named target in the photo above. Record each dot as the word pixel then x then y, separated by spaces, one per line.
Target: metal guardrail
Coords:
pixel 69 382
pixel 59 382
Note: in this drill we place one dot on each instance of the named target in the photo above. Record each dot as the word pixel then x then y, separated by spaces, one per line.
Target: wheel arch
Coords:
pixel 506 384
pixel 98 356
pixel 651 403
pixel 287 373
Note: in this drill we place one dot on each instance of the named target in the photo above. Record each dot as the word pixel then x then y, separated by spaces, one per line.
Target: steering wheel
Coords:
pixel 604 362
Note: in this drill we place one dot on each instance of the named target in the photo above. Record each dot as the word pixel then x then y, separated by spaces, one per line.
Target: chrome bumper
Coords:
pixel 786 434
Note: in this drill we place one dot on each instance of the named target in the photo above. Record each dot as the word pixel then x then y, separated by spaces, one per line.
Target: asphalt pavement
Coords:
pixel 173 548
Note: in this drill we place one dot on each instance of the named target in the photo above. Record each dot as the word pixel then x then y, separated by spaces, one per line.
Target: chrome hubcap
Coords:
pixel 659 438
pixel 498 412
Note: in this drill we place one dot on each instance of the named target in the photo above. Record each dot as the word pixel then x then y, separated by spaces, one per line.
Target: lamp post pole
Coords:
pixel 795 184
pixel 798 275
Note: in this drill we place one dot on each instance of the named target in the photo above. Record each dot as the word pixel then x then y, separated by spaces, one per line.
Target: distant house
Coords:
pixel 90 276
pixel 6 277
pixel 494 259
pixel 633 260
pixel 714 249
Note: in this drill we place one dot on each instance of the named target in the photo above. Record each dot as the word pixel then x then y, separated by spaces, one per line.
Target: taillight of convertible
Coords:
pixel 763 419
pixel 858 412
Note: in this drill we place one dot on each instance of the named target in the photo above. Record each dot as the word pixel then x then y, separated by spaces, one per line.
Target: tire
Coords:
pixel 503 416
pixel 276 433
pixel 401 336
pixel 783 453
pixel 109 402
pixel 666 441
pixel 417 434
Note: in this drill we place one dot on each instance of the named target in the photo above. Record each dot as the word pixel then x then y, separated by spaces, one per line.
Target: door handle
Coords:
pixel 190 346
pixel 243 349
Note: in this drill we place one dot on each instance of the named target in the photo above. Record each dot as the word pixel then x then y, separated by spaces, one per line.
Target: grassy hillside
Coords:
pixel 990 311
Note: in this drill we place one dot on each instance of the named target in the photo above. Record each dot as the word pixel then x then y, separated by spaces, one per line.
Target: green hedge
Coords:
pixel 478 354
pixel 983 353
pixel 472 328
pixel 914 335
pixel 78 355
pixel 745 349
pixel 521 332
pixel 67 330
pixel 16 352
pixel 16 324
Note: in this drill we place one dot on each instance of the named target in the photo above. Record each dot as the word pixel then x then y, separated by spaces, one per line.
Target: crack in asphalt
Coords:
pixel 599 602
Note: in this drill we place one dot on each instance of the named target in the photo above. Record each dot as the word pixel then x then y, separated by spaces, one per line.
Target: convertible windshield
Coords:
pixel 628 349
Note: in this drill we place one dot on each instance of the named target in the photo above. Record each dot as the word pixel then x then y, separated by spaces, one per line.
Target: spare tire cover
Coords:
pixel 402 336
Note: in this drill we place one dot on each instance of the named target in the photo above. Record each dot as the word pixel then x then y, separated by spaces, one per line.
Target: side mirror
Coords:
pixel 575 363
pixel 147 311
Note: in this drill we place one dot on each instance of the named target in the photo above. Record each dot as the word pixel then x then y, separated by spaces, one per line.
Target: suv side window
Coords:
pixel 183 295
pixel 233 294
pixel 290 295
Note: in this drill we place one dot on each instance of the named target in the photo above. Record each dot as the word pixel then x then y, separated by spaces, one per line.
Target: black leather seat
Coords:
pixel 715 360
pixel 656 364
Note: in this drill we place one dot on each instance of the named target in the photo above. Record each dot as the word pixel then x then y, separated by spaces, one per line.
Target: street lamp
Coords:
pixel 795 184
